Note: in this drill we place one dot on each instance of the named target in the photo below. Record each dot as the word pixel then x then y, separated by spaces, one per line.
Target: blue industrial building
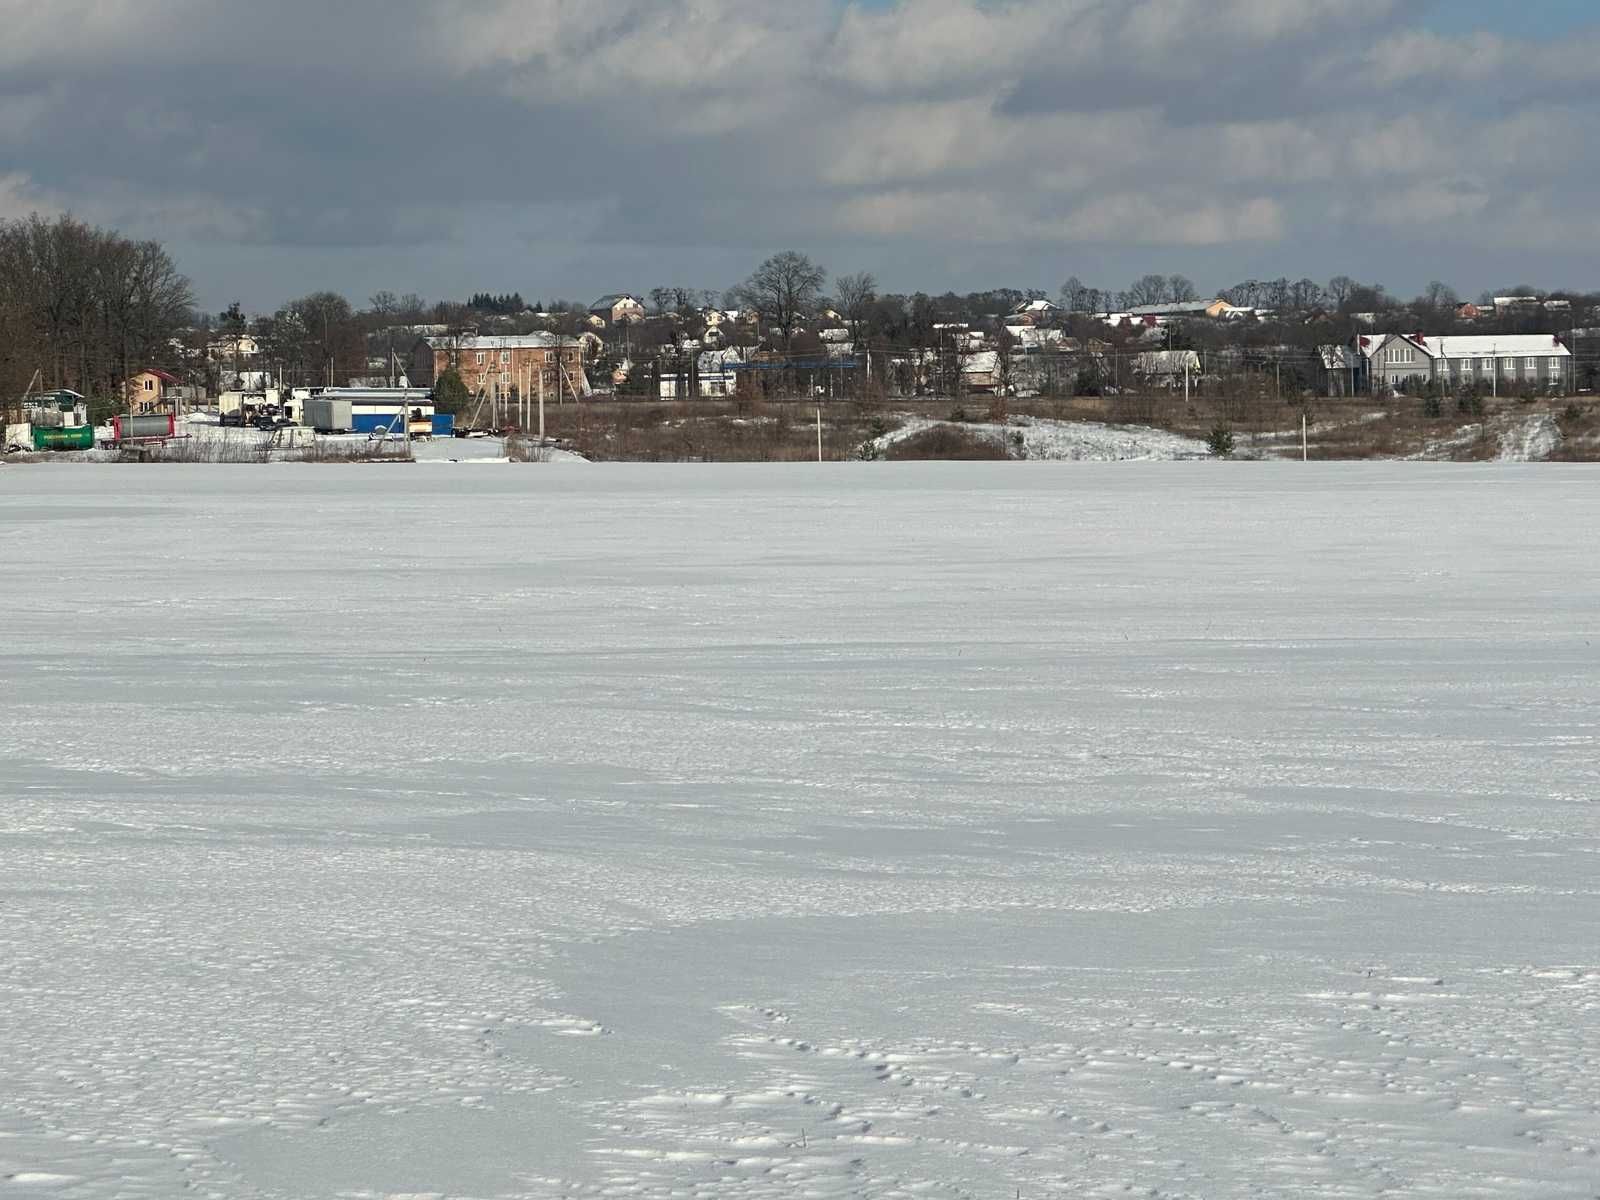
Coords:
pixel 373 410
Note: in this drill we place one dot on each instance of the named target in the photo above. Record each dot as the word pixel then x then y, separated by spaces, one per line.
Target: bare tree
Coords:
pixel 1438 296
pixel 783 289
pixel 1148 289
pixel 1339 289
pixel 332 340
pixel 856 294
pixel 1245 295
pixel 1074 296
pixel 1004 373
pixel 1181 289
pixel 563 338
pixel 84 305
pixel 1305 294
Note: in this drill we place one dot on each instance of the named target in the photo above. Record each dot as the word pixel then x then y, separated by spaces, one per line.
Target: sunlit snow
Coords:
pixel 943 830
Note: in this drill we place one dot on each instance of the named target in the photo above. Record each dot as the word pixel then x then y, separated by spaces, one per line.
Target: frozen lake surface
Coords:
pixel 930 830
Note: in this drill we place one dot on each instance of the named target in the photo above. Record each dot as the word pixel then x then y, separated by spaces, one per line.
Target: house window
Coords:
pixel 505 357
pixel 505 377
pixel 149 385
pixel 482 358
pixel 1530 365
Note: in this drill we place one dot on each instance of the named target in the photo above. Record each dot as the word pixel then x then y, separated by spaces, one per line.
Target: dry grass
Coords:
pixel 947 442
pixel 1579 421
pixel 752 429
pixel 527 450
pixel 237 449
pixel 708 430
pixel 323 451
pixel 245 449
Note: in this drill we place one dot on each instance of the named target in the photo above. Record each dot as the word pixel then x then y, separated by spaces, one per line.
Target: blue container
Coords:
pixel 444 424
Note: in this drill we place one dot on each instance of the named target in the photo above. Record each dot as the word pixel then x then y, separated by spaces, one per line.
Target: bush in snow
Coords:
pixel 946 442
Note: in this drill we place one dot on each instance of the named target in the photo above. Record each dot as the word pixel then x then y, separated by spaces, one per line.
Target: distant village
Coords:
pixel 790 329
pixel 497 353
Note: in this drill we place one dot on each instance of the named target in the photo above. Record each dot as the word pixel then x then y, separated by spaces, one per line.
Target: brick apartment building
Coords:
pixel 513 364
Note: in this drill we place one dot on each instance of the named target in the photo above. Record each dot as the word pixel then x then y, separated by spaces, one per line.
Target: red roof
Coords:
pixel 164 376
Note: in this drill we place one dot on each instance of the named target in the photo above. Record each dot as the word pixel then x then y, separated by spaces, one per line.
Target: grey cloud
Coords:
pixel 573 147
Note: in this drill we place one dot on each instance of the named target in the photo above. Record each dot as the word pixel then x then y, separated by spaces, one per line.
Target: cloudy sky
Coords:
pixel 573 147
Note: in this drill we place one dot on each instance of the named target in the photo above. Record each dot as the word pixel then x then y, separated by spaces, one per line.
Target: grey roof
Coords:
pixel 1177 308
pixel 508 341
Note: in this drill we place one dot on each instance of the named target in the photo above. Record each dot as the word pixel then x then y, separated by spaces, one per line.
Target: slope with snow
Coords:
pixel 942 830
pixel 1075 441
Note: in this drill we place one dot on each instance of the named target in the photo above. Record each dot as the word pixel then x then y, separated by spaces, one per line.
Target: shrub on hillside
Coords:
pixel 946 442
pixel 1220 441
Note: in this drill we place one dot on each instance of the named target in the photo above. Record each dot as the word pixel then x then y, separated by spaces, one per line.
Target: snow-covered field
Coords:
pixel 1183 830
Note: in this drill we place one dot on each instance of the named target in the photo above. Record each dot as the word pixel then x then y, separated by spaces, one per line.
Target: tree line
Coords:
pixel 83 307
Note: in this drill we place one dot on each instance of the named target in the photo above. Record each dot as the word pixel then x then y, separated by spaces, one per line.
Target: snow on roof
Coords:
pixel 1513 345
pixel 1368 343
pixel 1180 308
pixel 509 341
pixel 1482 345
pixel 1031 338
